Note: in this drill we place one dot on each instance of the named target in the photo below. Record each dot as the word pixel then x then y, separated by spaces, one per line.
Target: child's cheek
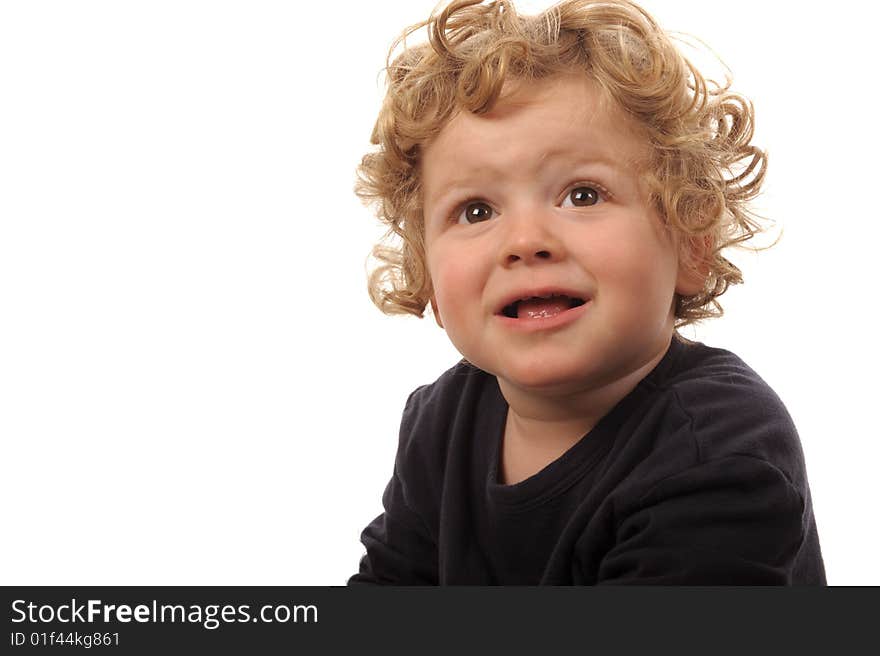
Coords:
pixel 624 254
pixel 459 279
pixel 455 288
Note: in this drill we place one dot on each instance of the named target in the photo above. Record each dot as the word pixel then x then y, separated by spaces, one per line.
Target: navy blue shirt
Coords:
pixel 696 477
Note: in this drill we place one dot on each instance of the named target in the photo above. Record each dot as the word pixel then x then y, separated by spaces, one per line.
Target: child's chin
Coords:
pixel 540 377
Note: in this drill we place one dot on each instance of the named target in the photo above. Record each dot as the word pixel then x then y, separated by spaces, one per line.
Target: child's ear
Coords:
pixel 693 266
pixel 435 311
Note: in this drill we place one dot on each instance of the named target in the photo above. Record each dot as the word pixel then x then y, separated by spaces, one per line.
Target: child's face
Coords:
pixel 541 196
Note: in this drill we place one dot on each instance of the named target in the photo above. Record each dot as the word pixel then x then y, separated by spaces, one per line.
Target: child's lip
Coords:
pixel 529 324
pixel 540 292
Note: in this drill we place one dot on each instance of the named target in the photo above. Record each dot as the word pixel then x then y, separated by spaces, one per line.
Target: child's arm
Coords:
pixel 400 548
pixel 736 520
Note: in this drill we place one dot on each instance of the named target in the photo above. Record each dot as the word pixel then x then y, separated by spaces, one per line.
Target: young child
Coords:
pixel 563 186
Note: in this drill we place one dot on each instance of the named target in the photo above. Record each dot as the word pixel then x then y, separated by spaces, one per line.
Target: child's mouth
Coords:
pixel 541 308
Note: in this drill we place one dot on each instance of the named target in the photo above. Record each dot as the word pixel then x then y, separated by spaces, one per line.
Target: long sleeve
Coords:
pixel 400 548
pixel 696 477
pixel 732 521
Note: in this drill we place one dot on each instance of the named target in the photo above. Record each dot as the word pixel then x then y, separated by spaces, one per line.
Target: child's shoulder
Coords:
pixel 731 410
pixel 463 395
pixel 456 390
pixel 711 378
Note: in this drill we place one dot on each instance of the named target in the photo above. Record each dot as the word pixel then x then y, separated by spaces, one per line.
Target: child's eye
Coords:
pixel 475 212
pixel 583 196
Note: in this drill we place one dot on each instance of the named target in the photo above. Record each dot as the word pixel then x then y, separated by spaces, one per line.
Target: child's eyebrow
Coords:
pixel 465 176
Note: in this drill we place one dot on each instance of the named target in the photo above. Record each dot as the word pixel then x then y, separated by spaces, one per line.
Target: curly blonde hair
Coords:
pixel 702 173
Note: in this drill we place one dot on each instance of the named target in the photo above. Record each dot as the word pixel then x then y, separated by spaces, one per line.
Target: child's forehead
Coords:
pixel 565 98
pixel 564 115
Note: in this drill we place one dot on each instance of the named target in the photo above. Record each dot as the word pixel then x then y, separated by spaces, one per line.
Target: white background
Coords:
pixel 194 386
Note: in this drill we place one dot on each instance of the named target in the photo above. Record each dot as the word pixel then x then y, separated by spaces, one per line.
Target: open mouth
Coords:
pixel 541 307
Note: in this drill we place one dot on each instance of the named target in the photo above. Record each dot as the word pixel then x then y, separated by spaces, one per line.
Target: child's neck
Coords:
pixel 522 457
pixel 541 426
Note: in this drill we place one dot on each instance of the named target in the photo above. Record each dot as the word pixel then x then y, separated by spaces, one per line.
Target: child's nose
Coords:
pixel 529 239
